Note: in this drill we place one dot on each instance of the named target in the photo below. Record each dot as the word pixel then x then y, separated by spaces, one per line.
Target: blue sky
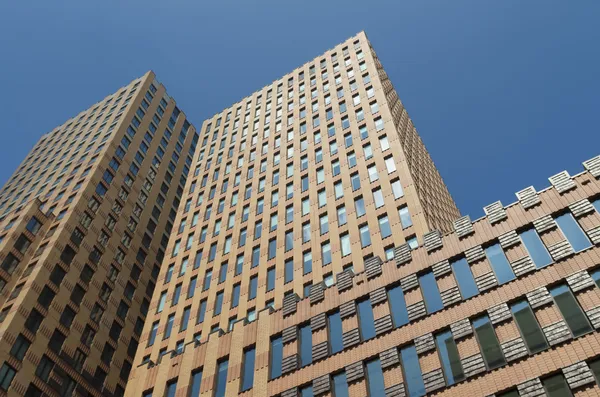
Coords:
pixel 504 93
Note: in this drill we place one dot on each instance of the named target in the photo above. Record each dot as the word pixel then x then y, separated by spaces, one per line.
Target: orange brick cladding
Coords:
pixel 76 283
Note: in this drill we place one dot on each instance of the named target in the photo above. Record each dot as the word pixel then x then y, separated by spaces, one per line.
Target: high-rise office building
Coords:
pixel 85 222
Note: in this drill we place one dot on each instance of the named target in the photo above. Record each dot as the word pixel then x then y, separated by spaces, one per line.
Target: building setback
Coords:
pixel 84 226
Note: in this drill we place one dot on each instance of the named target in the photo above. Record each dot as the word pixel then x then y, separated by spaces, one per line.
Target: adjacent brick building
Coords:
pixel 85 222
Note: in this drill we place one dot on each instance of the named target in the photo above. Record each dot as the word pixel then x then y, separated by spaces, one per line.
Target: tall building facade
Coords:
pixel 85 222
pixel 297 183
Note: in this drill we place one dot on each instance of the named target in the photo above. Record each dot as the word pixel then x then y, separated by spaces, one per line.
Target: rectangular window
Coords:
pixel 171 388
pixel 305 340
pixel 340 385
pixel 248 369
pixel 502 268
pixel 289 271
pixel 218 303
pixel 270 279
pixel 398 306
pixel 345 244
pixel 570 310
pixel 307 262
pixel 252 288
pixel 359 206
pixel 405 217
pixel 488 342
pixel 537 251
pixel 556 386
pixel 431 292
pixel 413 376
pixel 201 311
pixel 375 382
pixel 449 357
pixel 464 278
pixel 195 383
pixel 221 381
pixel 276 358
pixel 365 236
pixel 235 295
pixel 572 231
pixel 366 319
pixel 334 322
pixel 528 326
pixel 384 227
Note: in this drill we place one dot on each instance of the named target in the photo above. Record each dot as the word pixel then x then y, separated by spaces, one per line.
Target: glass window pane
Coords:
pixel 528 326
pixel 398 306
pixel 276 357
pixel 538 252
pixel 595 367
pixel 488 342
pixel 570 310
pixel 306 391
pixel 366 319
pixel 248 370
pixel 375 382
pixel 195 386
pixel 340 385
pixel 305 339
pixel 431 292
pixel 573 232
pixel 497 258
pixel 464 278
pixel 221 379
pixel 335 332
pixel 556 386
pixel 412 371
pixel 449 357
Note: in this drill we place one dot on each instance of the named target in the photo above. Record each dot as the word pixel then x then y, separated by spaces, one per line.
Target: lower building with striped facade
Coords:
pixel 506 305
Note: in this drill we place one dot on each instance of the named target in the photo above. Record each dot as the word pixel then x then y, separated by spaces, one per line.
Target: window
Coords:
pixel 335 332
pixel 464 278
pixel 270 279
pixel 345 244
pixel 488 342
pixel 556 386
pixel 306 232
pixel 570 310
pixel 390 164
pixel 375 382
pixel 272 251
pixel 253 286
pixel 218 303
pixel 248 369
pixel 502 268
pixel 537 251
pixel 398 306
pixel 235 296
pixel 405 217
pixel 7 373
pixel 153 332
pixel 572 231
pixel 276 358
pixel 384 226
pixel 207 278
pixel 366 319
pixel 289 271
pixel 169 326
pixel 307 262
pixel 339 190
pixel 397 189
pixel 221 381
pixel 359 206
pixel 20 347
pixel 201 311
pixel 373 175
pixel 528 326
pixel 305 340
pixel 324 224
pixel 289 240
pixel 431 293
pixel 365 236
pixel 195 383
pixel 171 388
pixel 412 371
pixel 325 253
pixel 449 357
pixel 306 391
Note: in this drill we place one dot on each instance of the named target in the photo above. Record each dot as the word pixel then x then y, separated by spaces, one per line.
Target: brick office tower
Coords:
pixel 85 222
pixel 294 186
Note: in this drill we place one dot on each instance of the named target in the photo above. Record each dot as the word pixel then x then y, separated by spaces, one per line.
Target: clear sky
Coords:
pixel 504 93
